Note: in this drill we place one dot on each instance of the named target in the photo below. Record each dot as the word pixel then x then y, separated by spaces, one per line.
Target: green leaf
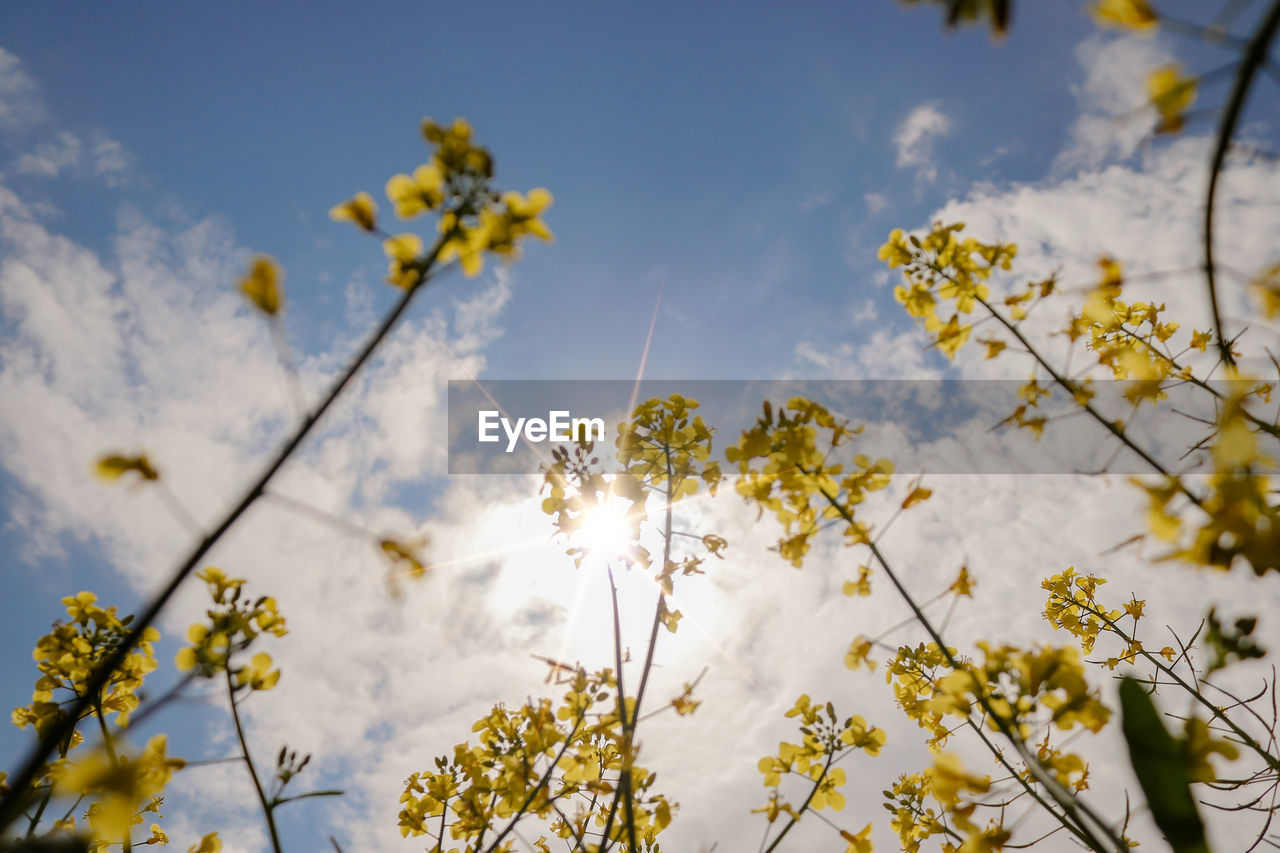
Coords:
pixel 1160 763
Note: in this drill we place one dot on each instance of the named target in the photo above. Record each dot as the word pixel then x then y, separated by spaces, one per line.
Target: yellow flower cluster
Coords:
pixel 1073 606
pixel 124 789
pixel 825 738
pixel 68 654
pixel 1237 519
pixel 667 448
pixel 783 468
pixel 534 761
pixel 235 621
pixel 940 268
pixel 1129 337
pixel 1017 689
pixel 952 788
pixel 472 219
pixel 577 490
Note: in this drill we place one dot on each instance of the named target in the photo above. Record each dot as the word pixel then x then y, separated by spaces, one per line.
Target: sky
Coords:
pixel 722 183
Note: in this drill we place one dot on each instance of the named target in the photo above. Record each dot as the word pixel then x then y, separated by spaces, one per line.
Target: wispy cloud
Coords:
pixel 101 156
pixel 20 101
pixel 915 137
pixel 1113 119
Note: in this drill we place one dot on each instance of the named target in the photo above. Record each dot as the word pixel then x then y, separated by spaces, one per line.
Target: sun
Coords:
pixel 606 532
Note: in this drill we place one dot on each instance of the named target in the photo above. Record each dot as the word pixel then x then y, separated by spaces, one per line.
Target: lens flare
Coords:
pixel 606 533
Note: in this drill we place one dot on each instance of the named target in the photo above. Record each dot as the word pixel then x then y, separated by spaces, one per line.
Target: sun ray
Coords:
pixel 644 354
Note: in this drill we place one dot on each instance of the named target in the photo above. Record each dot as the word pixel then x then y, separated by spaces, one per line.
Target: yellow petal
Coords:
pixel 360 210
pixel 262 284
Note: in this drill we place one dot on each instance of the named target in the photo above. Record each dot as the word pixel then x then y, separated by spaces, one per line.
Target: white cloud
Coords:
pixel 915 136
pixel 102 350
pixel 22 107
pixel 108 158
pixel 885 354
pixel 20 102
pixel 50 158
pixel 815 201
pixel 1113 120
pixel 103 157
pixel 876 202
pixel 1147 216
pixel 865 313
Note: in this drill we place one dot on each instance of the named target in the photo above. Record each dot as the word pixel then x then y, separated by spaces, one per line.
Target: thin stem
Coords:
pixel 817 783
pixel 1075 810
pixel 624 719
pixel 662 596
pixel 1071 387
pixel 1213 709
pixel 248 762
pixel 11 805
pixel 537 789
pixel 280 339
pixel 1254 56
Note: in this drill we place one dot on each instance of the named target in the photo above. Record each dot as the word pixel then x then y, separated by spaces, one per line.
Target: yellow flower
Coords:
pixel 826 793
pixel 918 300
pixel 359 210
pixel 895 252
pixel 1267 287
pixel 1129 14
pixel 949 779
pixel 123 784
pixel 80 606
pixel 454 149
pixel 209 844
pixel 858 654
pixel 1171 94
pixel 950 335
pixel 403 250
pixel 862 586
pixel 417 194
pixel 115 466
pixel 1199 745
pixel 964 583
pixel 773 808
pixel 519 218
pixel 258 673
pixel 262 284
pixel 860 843
pixel 467 244
pixel 220 584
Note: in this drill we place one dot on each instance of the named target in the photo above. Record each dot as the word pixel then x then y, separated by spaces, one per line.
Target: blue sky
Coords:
pixel 746 166
pixel 726 155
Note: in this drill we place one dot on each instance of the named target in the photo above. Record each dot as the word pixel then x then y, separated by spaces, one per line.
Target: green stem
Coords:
pixel 1073 389
pixel 11 805
pixel 542 783
pixel 795 818
pixel 1076 811
pixel 1213 709
pixel 1263 426
pixel 624 777
pixel 267 805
